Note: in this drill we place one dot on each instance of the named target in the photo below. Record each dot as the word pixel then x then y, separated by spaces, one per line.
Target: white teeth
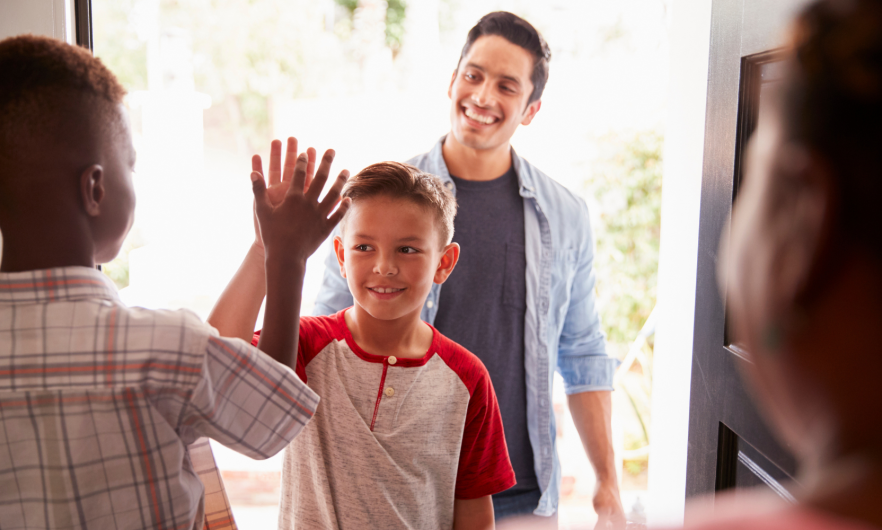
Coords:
pixel 385 290
pixel 486 120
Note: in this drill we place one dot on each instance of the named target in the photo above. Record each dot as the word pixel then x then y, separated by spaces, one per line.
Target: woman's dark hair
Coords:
pixel 832 103
pixel 517 31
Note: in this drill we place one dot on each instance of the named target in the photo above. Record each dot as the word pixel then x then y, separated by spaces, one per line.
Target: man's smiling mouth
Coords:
pixel 480 118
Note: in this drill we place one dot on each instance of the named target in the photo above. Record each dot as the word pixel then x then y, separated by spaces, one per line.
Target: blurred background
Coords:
pixel 212 82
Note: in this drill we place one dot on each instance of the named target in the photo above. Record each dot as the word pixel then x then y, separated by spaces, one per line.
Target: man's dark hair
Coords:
pixel 521 33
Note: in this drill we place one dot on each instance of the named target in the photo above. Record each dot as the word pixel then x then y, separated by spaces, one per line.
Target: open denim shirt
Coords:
pixel 561 329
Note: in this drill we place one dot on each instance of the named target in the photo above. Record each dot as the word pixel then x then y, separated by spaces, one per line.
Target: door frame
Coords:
pixel 83 22
pixel 743 34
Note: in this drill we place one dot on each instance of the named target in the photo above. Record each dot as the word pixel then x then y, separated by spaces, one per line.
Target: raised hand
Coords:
pixel 279 179
pixel 292 224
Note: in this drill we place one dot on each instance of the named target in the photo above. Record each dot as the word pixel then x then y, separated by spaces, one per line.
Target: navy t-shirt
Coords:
pixel 483 303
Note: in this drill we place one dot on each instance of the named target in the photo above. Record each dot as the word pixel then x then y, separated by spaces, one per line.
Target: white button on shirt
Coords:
pixel 392 359
pixel 430 304
pixel 390 391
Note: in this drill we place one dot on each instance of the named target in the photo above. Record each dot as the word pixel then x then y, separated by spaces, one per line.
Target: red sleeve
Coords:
pixel 315 334
pixel 484 467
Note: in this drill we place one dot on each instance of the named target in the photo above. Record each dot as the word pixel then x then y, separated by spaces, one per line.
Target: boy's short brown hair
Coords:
pixel 403 181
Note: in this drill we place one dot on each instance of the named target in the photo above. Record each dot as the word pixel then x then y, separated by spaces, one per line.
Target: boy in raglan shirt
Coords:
pixel 408 433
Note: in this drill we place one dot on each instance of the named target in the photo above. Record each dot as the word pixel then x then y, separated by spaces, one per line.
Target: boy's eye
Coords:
pixel 362 248
pixel 409 250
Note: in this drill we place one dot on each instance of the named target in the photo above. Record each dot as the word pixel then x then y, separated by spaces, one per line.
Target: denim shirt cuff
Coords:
pixel 590 373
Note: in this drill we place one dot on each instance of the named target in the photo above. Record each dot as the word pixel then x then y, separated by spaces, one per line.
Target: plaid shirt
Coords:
pixel 98 403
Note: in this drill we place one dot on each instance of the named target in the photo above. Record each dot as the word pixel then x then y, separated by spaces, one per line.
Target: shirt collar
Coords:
pixel 438 167
pixel 54 285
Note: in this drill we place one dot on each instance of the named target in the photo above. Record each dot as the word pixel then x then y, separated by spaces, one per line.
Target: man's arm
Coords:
pixel 473 514
pixel 592 413
pixel 588 376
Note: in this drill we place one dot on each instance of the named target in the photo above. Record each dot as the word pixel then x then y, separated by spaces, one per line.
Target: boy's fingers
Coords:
pixel 341 210
pixel 321 176
pixel 299 178
pixel 290 159
pixel 256 164
pixel 310 166
pixel 261 201
pixel 333 194
pixel 275 167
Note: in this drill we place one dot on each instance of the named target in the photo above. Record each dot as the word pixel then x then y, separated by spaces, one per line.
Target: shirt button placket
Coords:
pixel 389 390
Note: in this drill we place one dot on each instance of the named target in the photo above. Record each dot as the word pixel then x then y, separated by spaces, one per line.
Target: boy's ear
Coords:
pixel 338 251
pixel 92 189
pixel 530 112
pixel 449 257
pixel 452 79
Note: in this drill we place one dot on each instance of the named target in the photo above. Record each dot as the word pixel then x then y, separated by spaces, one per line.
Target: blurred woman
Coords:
pixel 802 270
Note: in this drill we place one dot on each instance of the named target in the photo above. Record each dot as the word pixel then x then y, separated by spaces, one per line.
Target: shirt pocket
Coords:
pixel 514 283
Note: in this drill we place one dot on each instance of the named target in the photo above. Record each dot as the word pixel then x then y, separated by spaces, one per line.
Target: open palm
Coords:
pixel 279 179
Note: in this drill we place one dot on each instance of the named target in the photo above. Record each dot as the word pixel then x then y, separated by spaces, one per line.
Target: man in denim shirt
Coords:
pixel 522 297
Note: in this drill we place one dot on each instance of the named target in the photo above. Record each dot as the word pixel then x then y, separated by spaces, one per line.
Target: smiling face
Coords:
pixel 489 93
pixel 390 254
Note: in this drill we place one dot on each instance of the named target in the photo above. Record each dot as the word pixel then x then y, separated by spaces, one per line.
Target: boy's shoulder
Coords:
pixel 464 363
pixel 316 332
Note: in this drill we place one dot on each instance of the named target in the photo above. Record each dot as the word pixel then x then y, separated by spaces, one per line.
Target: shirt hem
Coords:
pixel 493 489
pixel 588 388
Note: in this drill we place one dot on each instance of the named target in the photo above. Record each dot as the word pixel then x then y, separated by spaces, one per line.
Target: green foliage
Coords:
pixel 245 53
pixel 118 269
pixel 626 183
pixel 636 466
pixel 395 13
pixel 117 42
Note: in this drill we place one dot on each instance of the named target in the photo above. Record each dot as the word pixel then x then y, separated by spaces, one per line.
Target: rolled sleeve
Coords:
pixel 582 360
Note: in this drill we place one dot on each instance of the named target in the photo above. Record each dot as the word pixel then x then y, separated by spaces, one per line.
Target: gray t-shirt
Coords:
pixel 483 303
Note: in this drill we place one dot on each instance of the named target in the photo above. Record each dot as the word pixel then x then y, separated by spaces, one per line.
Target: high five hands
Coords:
pixel 288 215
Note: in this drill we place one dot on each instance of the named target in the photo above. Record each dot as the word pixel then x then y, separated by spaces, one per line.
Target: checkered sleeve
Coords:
pixel 247 401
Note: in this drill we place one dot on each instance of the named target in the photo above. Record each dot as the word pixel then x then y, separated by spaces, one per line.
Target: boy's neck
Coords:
pixel 475 164
pixel 30 251
pixel 407 337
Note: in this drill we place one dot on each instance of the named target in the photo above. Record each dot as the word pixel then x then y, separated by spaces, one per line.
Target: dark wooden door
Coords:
pixel 729 445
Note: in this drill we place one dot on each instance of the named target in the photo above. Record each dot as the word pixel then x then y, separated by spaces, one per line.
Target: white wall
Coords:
pixel 681 193
pixel 53 18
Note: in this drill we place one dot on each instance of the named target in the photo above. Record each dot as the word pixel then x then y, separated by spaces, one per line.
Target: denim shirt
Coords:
pixel 561 329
